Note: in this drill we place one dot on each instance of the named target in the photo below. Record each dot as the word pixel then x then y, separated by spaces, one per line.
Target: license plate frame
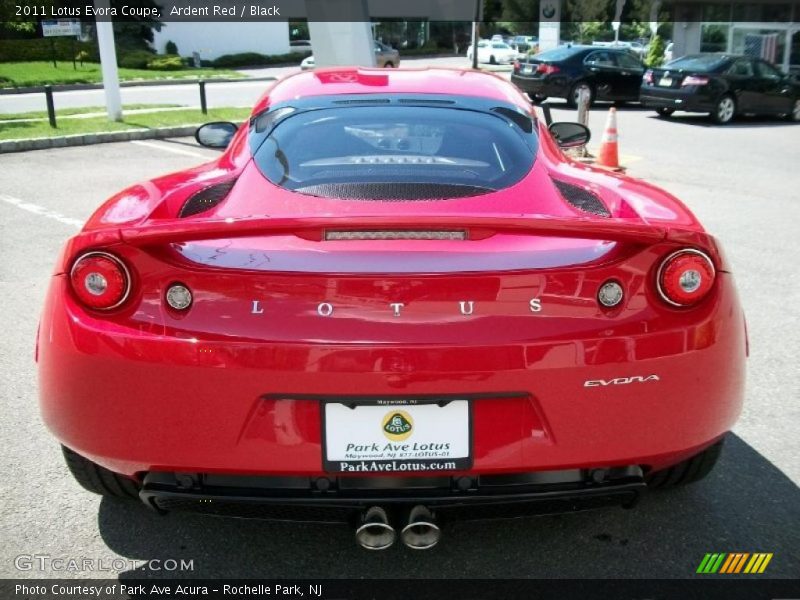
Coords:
pixel 665 82
pixel 332 462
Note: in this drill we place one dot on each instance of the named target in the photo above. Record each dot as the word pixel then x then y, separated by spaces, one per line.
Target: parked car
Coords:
pixel 301 46
pixel 391 301
pixel 635 47
pixel 564 72
pixel 722 85
pixel 493 52
pixel 385 57
pixel 526 43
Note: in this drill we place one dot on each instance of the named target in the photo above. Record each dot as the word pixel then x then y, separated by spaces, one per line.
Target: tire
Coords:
pixel 691 470
pixel 665 112
pixel 794 116
pixel 388 65
pixel 98 480
pixel 537 98
pixel 572 98
pixel 492 60
pixel 724 110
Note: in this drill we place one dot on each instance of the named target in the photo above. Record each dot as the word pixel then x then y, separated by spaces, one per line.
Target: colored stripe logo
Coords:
pixel 734 562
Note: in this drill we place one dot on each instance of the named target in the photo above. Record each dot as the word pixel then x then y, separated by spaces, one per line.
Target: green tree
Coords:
pixel 587 18
pixel 655 54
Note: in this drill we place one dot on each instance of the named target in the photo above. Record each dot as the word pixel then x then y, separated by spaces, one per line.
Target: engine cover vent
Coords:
pixel 581 198
pixel 205 199
pixel 392 192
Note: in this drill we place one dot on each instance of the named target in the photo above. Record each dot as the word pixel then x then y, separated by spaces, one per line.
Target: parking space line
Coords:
pixel 170 149
pixel 41 211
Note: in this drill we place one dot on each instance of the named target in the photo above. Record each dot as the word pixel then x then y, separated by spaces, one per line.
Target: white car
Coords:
pixel 494 52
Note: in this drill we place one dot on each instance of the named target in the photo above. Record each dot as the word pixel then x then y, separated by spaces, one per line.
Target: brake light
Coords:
pixel 694 80
pixel 100 280
pixel 685 277
pixel 547 69
pixel 648 76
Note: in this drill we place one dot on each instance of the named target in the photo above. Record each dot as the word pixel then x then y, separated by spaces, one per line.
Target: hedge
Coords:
pixel 254 59
pixel 41 49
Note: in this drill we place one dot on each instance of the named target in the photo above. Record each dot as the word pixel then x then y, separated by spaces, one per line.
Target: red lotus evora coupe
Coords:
pixel 392 300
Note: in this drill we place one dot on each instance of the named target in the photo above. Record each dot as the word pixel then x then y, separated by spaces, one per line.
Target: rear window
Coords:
pixel 396 152
pixel 698 62
pixel 557 54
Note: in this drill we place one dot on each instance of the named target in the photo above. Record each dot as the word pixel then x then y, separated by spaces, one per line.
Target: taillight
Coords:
pixel 100 280
pixel 685 277
pixel 547 69
pixel 694 80
pixel 648 77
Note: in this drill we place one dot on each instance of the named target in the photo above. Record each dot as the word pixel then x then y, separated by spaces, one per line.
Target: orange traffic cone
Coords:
pixel 609 155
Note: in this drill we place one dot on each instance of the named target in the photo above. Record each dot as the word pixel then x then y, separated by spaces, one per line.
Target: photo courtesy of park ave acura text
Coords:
pixel 367 299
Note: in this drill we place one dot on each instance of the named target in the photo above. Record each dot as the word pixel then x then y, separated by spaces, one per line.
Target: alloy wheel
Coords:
pixel 725 109
pixel 796 110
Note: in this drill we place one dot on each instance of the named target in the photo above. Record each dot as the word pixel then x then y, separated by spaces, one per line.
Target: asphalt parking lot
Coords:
pixel 741 180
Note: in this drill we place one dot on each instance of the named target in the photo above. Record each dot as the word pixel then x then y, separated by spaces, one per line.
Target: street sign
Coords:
pixel 61 27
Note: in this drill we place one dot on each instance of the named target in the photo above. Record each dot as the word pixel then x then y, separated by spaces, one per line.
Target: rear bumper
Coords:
pixel 545 86
pixel 678 99
pixel 344 498
pixel 140 401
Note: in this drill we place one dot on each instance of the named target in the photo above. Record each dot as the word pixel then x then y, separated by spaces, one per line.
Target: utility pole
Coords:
pixel 108 64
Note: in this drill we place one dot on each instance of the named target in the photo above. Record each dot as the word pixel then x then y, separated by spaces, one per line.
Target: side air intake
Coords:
pixel 581 198
pixel 205 199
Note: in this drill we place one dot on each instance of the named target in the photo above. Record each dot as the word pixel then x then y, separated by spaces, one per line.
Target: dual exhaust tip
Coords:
pixel 420 533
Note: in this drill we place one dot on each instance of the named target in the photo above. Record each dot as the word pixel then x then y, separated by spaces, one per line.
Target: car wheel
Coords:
pixel 98 480
pixel 388 65
pixel 690 470
pixel 665 112
pixel 724 110
pixel 795 114
pixel 576 91
pixel 492 60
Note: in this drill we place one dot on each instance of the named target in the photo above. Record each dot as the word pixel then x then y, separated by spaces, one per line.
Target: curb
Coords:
pixel 73 87
pixel 103 137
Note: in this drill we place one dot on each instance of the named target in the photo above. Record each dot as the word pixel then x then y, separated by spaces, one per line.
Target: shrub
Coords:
pixel 254 59
pixel 655 54
pixel 41 49
pixel 166 63
pixel 137 59
pixel 170 48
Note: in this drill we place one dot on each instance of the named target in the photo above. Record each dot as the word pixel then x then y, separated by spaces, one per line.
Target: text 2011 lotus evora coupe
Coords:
pixel 392 300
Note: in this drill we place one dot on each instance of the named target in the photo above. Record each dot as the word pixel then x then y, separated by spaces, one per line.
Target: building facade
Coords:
pixel 769 30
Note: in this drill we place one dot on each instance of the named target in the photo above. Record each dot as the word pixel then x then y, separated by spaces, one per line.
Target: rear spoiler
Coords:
pixel 315 228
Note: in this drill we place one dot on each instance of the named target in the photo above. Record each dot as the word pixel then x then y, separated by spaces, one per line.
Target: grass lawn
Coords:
pixel 25 74
pixel 61 112
pixel 174 118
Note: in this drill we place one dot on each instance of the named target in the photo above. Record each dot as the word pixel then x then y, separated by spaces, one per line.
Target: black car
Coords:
pixel 607 73
pixel 722 85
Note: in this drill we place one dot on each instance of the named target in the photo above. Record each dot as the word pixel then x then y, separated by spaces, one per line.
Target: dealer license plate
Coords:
pixel 393 437
pixel 665 82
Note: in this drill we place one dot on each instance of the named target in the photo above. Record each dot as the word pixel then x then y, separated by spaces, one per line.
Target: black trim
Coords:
pixel 301 499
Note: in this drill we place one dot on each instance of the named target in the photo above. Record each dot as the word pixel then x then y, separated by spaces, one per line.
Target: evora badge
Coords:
pixel 397 425
pixel 620 380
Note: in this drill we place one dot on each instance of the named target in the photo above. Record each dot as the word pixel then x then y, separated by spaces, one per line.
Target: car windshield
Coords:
pixel 558 54
pixel 501 46
pixel 383 152
pixel 697 62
